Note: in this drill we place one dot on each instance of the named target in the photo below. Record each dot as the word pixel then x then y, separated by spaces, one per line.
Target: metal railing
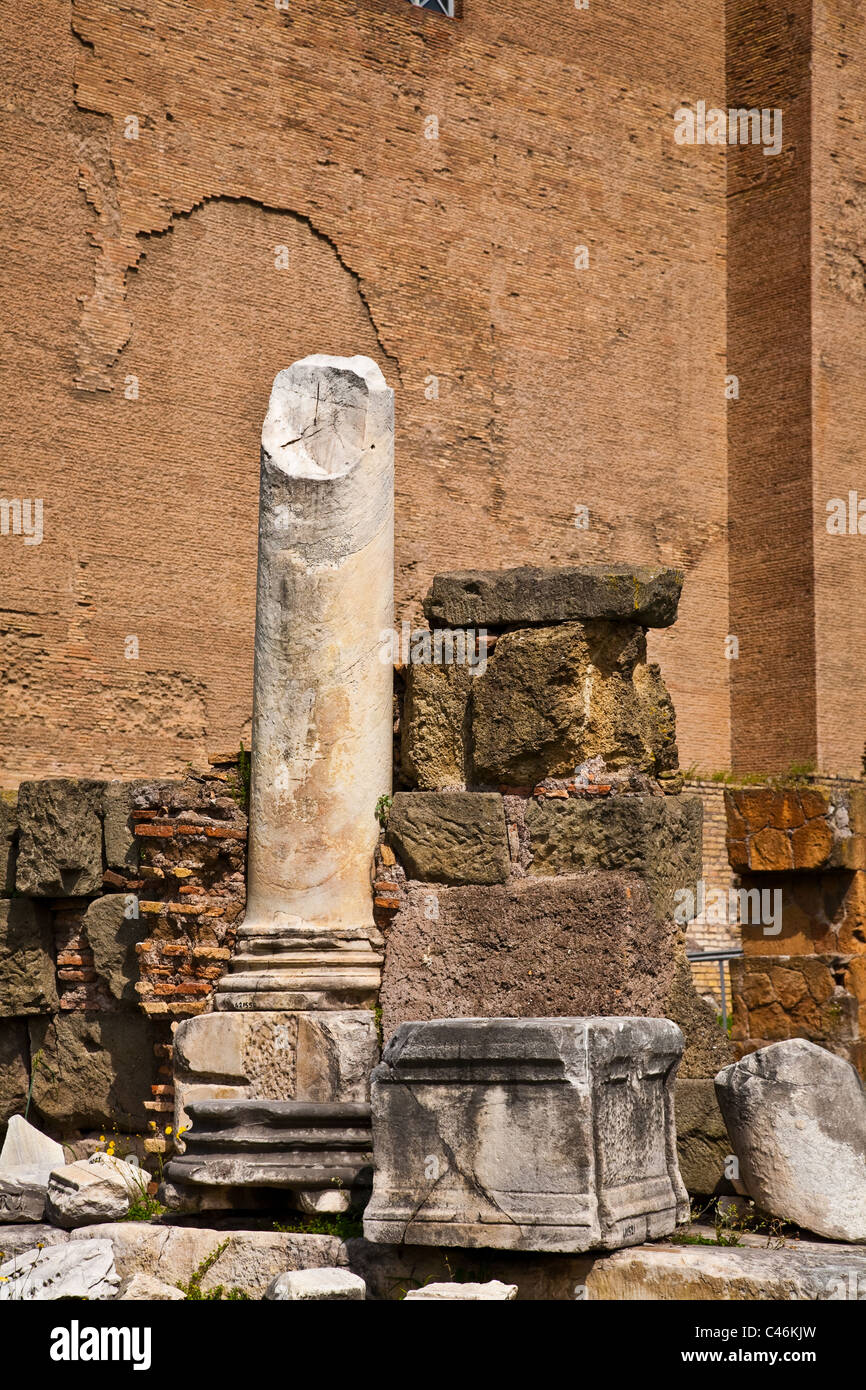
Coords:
pixel 720 957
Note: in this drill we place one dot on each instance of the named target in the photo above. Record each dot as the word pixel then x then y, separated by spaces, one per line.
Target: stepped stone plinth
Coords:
pixel 289 1144
pixel 551 1134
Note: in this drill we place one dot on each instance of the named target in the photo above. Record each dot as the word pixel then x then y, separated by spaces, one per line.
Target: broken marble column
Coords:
pixel 293 1016
pixel 322 717
pixel 796 1116
pixel 551 1134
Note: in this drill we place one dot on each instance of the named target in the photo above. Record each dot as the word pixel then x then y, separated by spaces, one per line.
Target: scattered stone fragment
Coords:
pixel 17 1238
pixel 531 594
pixel 27 1147
pixel 95 1189
pixel 796 1115
pixel 143 1288
pixel 22 1196
pixel 466 1293
pixel 317 1286
pixel 77 1269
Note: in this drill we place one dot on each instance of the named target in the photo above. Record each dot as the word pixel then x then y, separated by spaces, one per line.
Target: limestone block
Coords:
pixel 82 1193
pixel 494 1291
pixel 729 1274
pixel 27 982
pixel 8 841
pixel 531 594
pixel 317 1286
pixel 97 1069
pixel 60 838
pixel 450 837
pixel 113 935
pixel 796 1115
pixel 84 1269
pixel 25 1147
pixel 553 697
pixel 143 1288
pixel 434 732
pixel 247 1260
pixel 656 837
pixel 532 1134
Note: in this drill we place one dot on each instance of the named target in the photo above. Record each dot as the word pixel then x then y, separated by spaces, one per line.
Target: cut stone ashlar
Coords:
pixel 549 1134
pixel 272 1143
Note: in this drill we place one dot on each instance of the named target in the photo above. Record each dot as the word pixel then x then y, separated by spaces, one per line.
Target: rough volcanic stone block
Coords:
pixel 317 1286
pixel 60 838
pixel 121 846
pixel 27 982
pixel 492 1292
pixel 553 697
pixel 654 836
pixel 703 1273
pixel 796 1115
pixel 528 1134
pixel 778 997
pixel 96 1070
pixel 8 841
pixel 14 1068
pixel 435 727
pixel 703 1145
pixel 585 945
pixel 450 837
pixel 531 594
pixel 113 935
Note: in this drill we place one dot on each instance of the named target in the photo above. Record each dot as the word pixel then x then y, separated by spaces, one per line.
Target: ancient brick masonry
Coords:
pixel 154 874
pixel 808 979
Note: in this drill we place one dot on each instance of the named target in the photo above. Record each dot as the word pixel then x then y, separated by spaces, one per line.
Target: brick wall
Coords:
pixel 161 867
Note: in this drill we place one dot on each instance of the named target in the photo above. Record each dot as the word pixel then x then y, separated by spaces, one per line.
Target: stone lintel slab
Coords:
pixel 530 594
pixel 528 1134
